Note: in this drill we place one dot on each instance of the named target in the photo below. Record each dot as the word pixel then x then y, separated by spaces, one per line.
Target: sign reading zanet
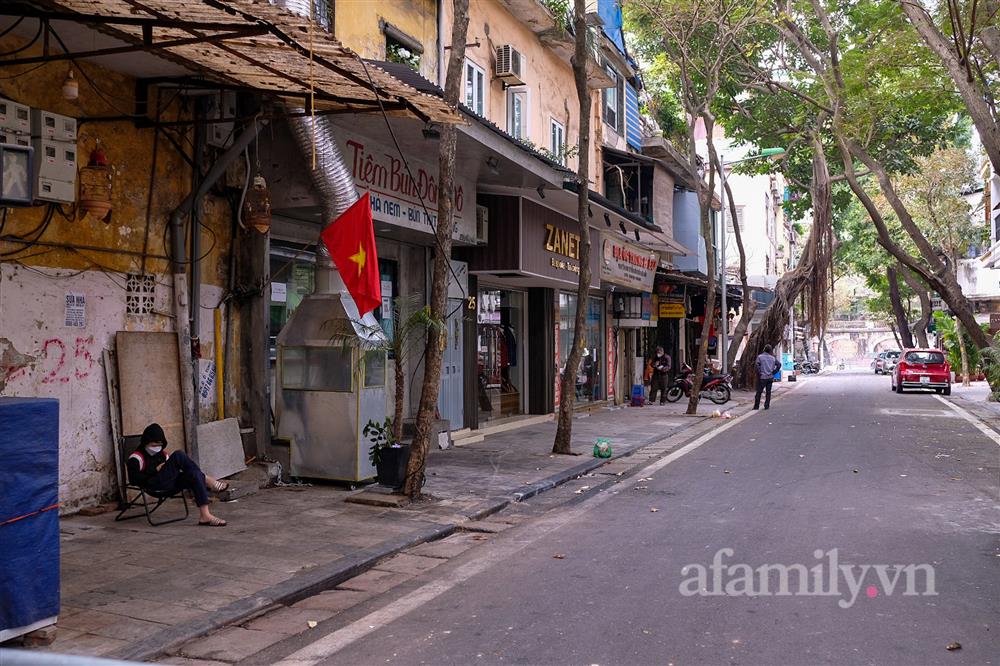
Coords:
pixel 566 243
pixel 628 265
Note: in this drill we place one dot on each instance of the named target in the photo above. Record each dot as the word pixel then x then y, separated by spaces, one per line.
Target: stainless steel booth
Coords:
pixel 329 383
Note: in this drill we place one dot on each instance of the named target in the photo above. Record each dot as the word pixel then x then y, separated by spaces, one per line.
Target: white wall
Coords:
pixel 53 360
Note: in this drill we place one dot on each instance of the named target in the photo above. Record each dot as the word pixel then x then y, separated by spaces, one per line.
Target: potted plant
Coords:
pixel 387 453
pixel 411 322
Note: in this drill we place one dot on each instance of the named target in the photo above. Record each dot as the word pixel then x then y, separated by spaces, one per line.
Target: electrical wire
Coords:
pixel 11 28
pixel 25 47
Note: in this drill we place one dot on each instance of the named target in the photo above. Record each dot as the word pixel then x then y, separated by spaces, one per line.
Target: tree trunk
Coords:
pixel 437 336
pixel 963 353
pixel 902 321
pixel 564 426
pixel 749 306
pixel 919 327
pixel 708 232
pixel 895 333
pixel 397 416
pixel 938 277
pixel 969 86
pixel 790 285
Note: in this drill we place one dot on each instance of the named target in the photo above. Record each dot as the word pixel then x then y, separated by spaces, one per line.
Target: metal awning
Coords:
pixel 246 43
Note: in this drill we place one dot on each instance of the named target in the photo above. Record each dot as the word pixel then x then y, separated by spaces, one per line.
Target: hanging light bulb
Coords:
pixel 257 207
pixel 70 87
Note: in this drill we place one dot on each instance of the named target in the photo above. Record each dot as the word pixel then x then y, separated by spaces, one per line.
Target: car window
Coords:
pixel 892 355
pixel 930 358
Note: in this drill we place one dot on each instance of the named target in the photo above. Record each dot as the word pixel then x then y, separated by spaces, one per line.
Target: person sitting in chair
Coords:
pixel 151 468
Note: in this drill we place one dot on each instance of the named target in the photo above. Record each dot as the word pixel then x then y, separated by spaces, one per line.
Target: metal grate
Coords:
pixel 139 292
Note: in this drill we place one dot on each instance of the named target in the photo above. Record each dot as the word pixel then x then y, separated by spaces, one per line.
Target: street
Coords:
pixel 841 476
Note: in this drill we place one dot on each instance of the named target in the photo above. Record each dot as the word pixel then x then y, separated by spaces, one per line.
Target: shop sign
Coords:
pixel 647 306
pixel 628 265
pixel 550 245
pixel 672 311
pixel 405 193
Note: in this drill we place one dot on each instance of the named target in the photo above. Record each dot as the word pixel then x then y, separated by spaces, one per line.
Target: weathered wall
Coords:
pixel 92 258
pixel 357 27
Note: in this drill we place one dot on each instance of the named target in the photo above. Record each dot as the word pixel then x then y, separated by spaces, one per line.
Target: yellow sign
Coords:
pixel 672 311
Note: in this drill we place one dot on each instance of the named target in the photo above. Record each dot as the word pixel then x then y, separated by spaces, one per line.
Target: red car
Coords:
pixel 922 368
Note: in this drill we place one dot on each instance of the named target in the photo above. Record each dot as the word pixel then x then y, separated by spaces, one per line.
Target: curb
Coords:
pixel 559 478
pixel 294 589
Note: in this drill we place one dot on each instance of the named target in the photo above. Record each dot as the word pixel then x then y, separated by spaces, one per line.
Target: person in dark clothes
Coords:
pixel 151 468
pixel 766 365
pixel 661 371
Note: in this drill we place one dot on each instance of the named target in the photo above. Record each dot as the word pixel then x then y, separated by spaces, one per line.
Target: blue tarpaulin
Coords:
pixel 29 512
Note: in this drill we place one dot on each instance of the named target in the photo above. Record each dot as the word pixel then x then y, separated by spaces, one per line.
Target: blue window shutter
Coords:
pixel 633 134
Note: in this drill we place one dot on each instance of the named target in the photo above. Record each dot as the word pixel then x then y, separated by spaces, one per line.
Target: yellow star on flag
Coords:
pixel 359 258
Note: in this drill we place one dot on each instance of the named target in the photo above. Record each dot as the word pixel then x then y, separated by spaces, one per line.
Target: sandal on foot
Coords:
pixel 215 522
pixel 220 486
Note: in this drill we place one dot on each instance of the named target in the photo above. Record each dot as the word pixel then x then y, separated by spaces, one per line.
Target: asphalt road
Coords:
pixel 840 464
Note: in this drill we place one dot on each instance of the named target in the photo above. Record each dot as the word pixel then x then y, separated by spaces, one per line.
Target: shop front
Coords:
pixel 628 271
pixel 526 307
pixel 404 209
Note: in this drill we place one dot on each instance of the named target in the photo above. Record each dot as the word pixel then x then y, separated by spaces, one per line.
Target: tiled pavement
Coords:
pixel 132 591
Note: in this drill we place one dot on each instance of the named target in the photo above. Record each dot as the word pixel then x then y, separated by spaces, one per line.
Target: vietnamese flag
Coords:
pixel 351 242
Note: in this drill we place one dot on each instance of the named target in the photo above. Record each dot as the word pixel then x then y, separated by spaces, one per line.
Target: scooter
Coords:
pixel 714 387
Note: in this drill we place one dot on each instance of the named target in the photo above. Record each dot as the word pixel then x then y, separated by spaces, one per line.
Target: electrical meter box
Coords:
pixel 48 125
pixel 55 170
pixel 15 139
pixel 15 118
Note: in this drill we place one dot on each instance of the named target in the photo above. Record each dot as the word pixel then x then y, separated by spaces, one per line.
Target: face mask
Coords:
pixel 153 450
pixel 659 353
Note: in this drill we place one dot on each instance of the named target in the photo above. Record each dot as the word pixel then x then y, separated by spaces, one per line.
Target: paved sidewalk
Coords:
pixel 132 591
pixel 974 399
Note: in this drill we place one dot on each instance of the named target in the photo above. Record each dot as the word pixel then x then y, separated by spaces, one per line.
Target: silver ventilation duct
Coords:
pixel 328 386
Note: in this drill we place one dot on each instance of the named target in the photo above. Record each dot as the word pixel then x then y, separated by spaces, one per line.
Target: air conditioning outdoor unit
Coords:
pixel 510 65
pixel 482 225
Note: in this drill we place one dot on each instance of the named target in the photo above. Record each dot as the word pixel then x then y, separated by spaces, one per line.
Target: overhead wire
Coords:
pixel 423 205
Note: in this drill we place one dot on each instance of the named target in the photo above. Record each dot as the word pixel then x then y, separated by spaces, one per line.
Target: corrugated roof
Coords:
pixel 288 54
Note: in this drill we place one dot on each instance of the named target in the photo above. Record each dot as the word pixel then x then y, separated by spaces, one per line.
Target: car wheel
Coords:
pixel 947 390
pixel 899 388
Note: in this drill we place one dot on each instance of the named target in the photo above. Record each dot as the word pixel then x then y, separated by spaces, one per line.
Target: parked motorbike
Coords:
pixel 810 367
pixel 714 387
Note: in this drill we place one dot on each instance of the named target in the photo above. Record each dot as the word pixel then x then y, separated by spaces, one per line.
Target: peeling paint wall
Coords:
pixel 357 27
pixel 41 353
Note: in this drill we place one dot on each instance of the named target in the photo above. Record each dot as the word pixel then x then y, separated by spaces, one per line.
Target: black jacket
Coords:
pixel 141 466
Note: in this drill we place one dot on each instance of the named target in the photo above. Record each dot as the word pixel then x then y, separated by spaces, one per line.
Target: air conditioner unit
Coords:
pixel 510 65
pixel 482 225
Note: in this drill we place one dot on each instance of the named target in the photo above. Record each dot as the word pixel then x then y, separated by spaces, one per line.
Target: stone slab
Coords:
pixel 333 600
pixel 375 581
pixel 289 620
pixel 232 644
pixel 408 564
pixel 220 448
pixel 448 548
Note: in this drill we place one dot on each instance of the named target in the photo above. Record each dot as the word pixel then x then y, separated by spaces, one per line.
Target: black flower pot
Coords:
pixel 391 466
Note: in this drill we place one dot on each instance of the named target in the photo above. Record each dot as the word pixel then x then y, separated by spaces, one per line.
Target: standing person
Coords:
pixel 152 468
pixel 661 364
pixel 766 366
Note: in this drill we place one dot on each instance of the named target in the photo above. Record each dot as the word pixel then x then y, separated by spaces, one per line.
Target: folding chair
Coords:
pixel 144 497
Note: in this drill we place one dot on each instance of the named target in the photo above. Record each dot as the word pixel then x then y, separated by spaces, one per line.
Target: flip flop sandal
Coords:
pixel 218 522
pixel 220 486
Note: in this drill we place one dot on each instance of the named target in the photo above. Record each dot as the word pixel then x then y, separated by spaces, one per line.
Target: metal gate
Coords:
pixel 451 402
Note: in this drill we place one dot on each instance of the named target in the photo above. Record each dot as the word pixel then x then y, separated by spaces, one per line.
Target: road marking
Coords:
pixel 930 413
pixel 985 429
pixel 336 641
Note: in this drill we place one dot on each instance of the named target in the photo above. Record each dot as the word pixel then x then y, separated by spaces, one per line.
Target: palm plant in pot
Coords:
pixel 410 323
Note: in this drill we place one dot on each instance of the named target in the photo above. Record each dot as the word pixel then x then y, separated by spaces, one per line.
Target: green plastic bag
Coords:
pixel 602 449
